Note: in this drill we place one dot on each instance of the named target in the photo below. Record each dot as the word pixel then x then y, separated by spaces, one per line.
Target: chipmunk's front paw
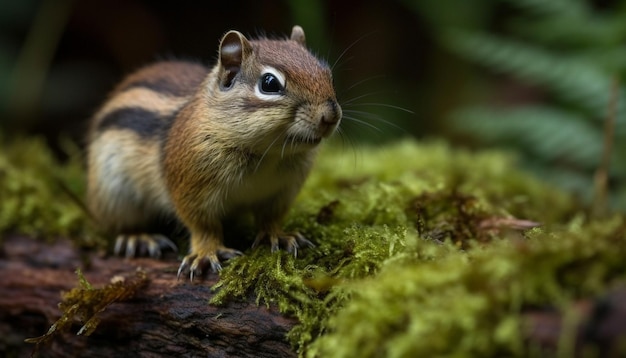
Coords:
pixel 290 241
pixel 196 260
pixel 142 244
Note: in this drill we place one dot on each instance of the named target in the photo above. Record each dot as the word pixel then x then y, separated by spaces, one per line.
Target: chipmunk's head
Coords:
pixel 280 95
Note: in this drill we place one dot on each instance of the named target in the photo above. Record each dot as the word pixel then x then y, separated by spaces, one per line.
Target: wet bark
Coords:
pixel 167 318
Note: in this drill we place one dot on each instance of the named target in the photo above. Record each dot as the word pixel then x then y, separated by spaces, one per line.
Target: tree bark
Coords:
pixel 167 318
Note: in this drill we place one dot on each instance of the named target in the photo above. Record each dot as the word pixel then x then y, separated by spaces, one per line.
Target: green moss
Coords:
pixel 420 249
pixel 470 303
pixel 40 196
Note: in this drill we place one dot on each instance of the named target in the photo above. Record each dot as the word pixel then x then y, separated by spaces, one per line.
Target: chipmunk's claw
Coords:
pixel 142 245
pixel 194 262
pixel 290 241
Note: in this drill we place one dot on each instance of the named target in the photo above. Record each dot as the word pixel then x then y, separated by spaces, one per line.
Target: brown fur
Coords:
pixel 222 146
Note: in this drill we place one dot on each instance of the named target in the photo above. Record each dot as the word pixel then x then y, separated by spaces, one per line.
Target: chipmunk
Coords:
pixel 179 141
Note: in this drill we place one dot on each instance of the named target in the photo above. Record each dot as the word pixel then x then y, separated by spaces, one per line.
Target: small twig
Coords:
pixel 599 205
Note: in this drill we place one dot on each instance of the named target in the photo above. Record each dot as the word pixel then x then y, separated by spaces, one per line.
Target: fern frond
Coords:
pixel 567 32
pixel 575 53
pixel 548 133
pixel 573 80
pixel 613 59
pixel 561 8
pixel 558 146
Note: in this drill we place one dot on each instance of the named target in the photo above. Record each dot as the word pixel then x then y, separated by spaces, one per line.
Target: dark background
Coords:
pixel 87 46
pixel 392 60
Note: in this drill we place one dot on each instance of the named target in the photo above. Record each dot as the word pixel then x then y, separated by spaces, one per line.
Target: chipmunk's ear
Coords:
pixel 234 50
pixel 297 35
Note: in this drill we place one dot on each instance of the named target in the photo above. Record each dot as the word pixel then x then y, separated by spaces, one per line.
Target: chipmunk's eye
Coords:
pixel 270 84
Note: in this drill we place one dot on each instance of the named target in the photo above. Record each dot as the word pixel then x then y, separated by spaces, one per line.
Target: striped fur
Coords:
pixel 126 190
pixel 178 140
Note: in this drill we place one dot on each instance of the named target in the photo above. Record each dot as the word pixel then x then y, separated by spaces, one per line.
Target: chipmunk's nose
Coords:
pixel 330 115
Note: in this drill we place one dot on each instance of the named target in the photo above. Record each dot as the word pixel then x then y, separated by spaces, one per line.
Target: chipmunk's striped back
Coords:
pixel 153 94
pixel 125 187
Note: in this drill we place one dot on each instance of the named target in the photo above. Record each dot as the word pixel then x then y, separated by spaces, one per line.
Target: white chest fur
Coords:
pixel 260 184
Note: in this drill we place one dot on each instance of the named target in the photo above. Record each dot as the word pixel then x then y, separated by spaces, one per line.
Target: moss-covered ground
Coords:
pixel 422 250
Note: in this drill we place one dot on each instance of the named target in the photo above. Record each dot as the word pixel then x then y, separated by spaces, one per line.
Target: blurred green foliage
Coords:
pixel 573 52
pixel 12 14
pixel 42 197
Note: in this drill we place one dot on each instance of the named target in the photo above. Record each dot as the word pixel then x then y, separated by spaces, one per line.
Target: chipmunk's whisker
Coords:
pixel 343 53
pixel 387 106
pixel 358 83
pixel 351 101
pixel 345 137
pixel 362 122
pixel 374 117
pixel 258 164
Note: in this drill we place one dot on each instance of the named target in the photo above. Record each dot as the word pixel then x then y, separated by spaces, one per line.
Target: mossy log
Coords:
pixel 166 318
pixel 171 317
